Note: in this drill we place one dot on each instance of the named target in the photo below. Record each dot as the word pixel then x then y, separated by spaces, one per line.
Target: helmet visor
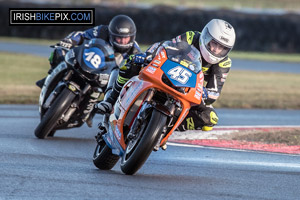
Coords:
pixel 122 41
pixel 214 47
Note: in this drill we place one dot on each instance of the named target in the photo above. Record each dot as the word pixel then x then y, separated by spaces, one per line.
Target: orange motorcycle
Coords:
pixel 150 107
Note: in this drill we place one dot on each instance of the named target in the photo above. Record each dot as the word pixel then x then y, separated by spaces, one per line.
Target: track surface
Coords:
pixel 62 168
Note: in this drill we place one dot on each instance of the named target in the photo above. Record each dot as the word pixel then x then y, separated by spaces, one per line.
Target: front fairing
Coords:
pixel 179 75
pixel 56 74
pixel 92 58
pixel 183 63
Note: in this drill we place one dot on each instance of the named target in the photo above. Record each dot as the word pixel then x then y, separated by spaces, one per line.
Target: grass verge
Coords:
pixel 290 137
pixel 234 54
pixel 19 72
pixel 248 89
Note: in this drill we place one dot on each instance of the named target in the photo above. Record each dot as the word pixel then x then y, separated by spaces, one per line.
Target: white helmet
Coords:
pixel 217 33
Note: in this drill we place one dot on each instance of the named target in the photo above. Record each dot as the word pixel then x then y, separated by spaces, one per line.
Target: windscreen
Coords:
pixel 184 54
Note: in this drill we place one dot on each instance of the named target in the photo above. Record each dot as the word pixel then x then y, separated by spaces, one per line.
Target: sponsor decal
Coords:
pixel 197 95
pixel 151 69
pixel 190 36
pixel 191 67
pixel 213 95
pixel 192 55
pixel 228 26
pixel 157 61
pixel 118 134
pixel 95 31
pixel 226 63
pixel 124 30
pixel 204 69
pixel 224 39
pixel 190 123
pixel 132 92
pixel 72 88
pixel 200 75
pixel 184 63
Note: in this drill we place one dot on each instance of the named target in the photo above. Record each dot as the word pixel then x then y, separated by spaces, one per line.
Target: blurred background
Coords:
pixel 266 55
pixel 261 25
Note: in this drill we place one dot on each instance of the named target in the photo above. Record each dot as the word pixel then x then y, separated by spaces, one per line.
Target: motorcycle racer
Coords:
pixel 120 33
pixel 214 43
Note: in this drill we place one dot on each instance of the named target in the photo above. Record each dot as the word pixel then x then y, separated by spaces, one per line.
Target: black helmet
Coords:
pixel 122 32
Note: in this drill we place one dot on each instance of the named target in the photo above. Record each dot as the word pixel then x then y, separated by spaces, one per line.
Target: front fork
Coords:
pixel 143 114
pixel 75 105
pixel 169 109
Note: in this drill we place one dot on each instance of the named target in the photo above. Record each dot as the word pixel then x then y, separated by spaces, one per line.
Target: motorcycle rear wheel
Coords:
pixel 103 157
pixel 133 160
pixel 57 109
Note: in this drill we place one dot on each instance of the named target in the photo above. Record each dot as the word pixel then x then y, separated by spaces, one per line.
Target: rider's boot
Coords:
pixel 40 83
pixel 105 106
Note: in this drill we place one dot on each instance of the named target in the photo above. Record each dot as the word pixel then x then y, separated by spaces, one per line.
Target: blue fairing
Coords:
pixel 179 75
pixel 94 58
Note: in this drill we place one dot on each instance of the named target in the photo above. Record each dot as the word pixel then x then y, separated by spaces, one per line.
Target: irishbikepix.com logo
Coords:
pixel 51 16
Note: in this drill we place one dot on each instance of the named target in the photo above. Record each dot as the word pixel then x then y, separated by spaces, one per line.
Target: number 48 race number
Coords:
pixel 93 58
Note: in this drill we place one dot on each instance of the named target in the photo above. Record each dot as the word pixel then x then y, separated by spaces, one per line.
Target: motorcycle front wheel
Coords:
pixel 139 149
pixel 103 157
pixel 54 113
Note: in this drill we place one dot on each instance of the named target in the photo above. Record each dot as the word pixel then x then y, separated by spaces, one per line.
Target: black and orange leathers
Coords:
pixel 214 76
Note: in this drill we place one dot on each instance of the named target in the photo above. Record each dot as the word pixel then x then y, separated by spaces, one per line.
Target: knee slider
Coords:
pixel 209 117
pixel 213 117
pixel 211 120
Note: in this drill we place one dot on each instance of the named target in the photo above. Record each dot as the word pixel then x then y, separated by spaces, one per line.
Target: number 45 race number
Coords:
pixel 180 74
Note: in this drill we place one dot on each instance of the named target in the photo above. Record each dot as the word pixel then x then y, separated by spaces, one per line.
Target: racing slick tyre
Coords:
pixel 139 149
pixel 103 157
pixel 53 114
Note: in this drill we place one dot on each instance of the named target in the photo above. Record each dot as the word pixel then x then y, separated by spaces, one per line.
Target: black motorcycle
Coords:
pixel 73 87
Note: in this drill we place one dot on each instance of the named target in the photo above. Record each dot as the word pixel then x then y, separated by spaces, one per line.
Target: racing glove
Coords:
pixel 139 58
pixel 67 43
pixel 74 38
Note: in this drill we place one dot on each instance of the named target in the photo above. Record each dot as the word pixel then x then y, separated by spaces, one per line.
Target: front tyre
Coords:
pixel 53 114
pixel 103 157
pixel 135 156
